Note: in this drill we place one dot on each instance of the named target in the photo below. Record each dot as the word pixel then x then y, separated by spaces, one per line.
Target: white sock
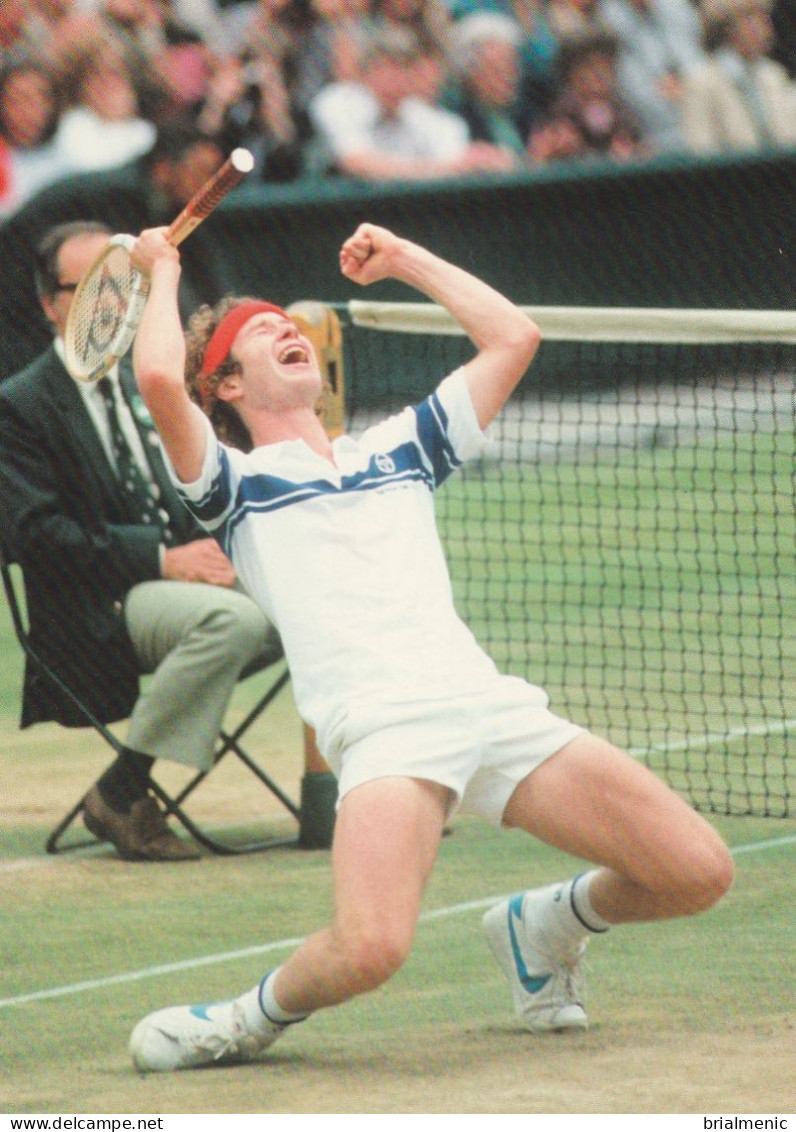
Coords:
pixel 568 917
pixel 269 1007
pixel 256 1021
pixel 261 1011
pixel 580 902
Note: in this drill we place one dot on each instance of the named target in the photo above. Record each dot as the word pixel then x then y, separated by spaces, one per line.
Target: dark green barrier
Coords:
pixel 672 233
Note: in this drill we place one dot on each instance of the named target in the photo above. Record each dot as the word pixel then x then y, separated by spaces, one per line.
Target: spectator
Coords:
pixel 379 130
pixel 431 24
pixel 538 50
pixel 270 37
pixel 59 33
pixel 165 60
pixel 246 104
pixel 29 113
pixel 589 119
pixel 174 170
pixel 102 127
pixel 486 47
pixel 68 33
pixel 184 63
pixel 739 99
pixel 332 48
pixel 136 26
pixel 273 30
pixel 660 41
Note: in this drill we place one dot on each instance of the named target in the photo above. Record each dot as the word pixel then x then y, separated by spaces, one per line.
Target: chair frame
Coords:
pixel 229 742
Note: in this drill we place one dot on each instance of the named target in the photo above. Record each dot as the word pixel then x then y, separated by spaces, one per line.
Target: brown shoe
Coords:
pixel 141 835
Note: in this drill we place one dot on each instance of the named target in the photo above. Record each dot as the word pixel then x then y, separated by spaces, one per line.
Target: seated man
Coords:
pixel 380 130
pixel 660 41
pixel 739 99
pixel 489 68
pixel 119 581
pixel 589 118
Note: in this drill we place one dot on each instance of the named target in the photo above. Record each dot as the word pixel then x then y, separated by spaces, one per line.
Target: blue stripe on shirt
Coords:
pixel 432 432
pixel 431 463
pixel 261 494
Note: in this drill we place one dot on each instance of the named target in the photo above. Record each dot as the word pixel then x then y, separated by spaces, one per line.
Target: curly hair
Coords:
pixel 226 421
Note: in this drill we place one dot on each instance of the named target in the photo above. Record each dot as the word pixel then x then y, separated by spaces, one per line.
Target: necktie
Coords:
pixel 141 500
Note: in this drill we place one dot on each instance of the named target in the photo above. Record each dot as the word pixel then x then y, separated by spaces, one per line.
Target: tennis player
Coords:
pixel 337 541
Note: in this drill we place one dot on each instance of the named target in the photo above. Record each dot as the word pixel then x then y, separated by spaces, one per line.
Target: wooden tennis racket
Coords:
pixel 110 298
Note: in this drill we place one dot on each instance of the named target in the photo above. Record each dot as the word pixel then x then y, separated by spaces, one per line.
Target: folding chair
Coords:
pixel 228 743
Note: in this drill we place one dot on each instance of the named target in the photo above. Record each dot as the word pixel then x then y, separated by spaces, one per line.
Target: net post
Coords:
pixel 319 786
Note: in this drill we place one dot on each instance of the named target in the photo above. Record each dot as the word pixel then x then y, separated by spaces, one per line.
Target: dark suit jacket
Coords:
pixel 66 522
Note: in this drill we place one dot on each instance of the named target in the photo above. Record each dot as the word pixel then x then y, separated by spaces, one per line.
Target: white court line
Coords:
pixel 770 844
pixel 780 727
pixel 265 948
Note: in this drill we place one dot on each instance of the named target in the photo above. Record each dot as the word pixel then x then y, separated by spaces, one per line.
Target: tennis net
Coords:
pixel 627 541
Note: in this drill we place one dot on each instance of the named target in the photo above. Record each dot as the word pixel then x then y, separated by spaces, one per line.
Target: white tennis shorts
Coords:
pixel 479 746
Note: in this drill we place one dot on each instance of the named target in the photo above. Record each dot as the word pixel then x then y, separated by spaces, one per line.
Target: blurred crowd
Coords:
pixel 388 89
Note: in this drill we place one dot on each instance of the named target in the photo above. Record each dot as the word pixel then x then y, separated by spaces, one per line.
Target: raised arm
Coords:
pixel 506 339
pixel 159 357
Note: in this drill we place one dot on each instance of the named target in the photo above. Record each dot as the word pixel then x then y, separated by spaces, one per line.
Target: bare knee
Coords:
pixel 372 956
pixel 683 880
pixel 706 877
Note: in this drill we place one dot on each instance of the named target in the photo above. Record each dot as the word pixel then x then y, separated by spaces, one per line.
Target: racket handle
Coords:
pixel 238 164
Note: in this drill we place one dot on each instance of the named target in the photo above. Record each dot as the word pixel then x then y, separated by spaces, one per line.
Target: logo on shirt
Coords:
pixel 385 464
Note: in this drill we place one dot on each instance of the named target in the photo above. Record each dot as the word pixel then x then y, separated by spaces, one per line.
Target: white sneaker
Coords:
pixel 543 979
pixel 187 1037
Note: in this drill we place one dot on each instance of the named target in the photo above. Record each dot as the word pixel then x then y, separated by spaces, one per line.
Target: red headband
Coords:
pixel 226 332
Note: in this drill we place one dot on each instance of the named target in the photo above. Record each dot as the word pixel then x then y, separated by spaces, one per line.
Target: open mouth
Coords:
pixel 293 355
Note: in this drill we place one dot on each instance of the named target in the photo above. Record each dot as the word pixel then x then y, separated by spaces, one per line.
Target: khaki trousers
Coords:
pixel 193 640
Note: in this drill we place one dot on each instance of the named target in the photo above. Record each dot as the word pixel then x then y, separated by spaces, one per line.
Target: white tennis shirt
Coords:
pixel 346 560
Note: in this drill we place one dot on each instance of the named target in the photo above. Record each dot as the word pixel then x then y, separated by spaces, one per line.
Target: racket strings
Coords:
pixel 99 310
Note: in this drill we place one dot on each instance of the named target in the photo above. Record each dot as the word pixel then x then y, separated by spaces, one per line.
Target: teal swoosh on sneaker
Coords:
pixel 201 1011
pixel 531 983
